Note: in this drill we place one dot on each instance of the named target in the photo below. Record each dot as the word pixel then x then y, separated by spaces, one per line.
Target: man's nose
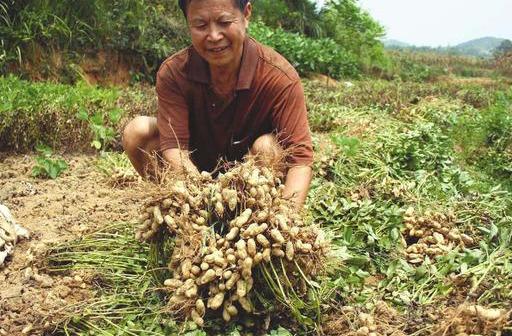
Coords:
pixel 215 34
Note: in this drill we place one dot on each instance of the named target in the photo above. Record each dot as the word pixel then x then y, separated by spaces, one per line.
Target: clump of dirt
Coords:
pixel 53 211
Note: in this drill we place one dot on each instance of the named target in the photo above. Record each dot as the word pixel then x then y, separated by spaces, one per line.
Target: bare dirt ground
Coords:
pixel 79 201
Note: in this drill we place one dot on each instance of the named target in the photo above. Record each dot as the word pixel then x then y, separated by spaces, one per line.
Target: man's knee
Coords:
pixel 138 132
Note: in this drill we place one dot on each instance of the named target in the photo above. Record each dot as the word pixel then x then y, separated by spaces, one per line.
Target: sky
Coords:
pixel 441 22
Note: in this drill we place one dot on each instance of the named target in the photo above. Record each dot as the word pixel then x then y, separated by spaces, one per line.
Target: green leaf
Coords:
pixel 97 119
pixel 280 332
pixel 493 231
pixel 362 274
pixel 96 144
pixel 115 115
pixel 53 171
pixel 82 114
pixel 395 234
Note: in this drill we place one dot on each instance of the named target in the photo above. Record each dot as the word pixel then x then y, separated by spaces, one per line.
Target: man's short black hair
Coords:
pixel 184 3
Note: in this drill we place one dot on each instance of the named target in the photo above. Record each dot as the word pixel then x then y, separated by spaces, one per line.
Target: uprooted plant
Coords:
pixel 238 245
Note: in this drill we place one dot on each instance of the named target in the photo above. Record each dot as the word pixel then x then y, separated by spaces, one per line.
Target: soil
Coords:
pixel 79 201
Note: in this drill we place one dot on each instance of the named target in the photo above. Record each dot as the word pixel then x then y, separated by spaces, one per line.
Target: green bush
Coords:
pixel 150 30
pixel 306 54
pixel 485 137
pixel 344 22
pixel 355 30
pixel 421 147
pixel 48 113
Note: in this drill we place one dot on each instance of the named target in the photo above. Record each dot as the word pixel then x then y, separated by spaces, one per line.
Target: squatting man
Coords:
pixel 223 97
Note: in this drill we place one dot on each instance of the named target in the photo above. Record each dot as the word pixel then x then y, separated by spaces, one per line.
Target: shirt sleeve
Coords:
pixel 290 120
pixel 172 116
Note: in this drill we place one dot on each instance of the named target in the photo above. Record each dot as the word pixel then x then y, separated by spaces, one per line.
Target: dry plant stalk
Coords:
pixel 224 228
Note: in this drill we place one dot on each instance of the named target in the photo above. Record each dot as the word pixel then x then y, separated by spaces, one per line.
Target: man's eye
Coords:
pixel 199 25
pixel 225 23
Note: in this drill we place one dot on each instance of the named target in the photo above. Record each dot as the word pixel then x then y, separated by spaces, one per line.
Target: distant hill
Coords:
pixel 481 47
pixel 390 43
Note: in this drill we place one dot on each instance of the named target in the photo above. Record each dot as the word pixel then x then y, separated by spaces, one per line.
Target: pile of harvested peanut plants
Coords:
pixel 229 232
pixel 470 319
pixel 432 235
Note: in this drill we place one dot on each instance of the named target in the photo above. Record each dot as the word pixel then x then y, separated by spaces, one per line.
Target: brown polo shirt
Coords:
pixel 268 98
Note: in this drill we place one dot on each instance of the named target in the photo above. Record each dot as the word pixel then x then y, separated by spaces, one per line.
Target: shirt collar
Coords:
pixel 199 71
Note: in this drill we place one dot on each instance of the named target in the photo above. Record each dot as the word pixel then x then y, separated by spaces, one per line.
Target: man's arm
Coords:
pixel 290 121
pixel 179 160
pixel 297 184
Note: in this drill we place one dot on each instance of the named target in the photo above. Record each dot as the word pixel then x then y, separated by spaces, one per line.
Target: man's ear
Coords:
pixel 247 13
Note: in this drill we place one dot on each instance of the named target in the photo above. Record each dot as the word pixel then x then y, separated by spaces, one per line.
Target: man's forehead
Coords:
pixel 231 4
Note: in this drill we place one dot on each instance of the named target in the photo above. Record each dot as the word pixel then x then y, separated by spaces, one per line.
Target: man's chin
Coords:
pixel 219 61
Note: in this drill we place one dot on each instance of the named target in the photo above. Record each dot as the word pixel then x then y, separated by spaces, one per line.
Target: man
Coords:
pixel 222 97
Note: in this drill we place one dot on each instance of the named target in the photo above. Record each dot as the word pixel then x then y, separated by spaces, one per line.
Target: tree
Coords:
pixel 504 48
pixel 297 16
pixel 354 29
pixel 343 21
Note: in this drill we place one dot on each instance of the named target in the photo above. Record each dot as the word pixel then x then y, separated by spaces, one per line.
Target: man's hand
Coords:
pixel 180 162
pixel 297 184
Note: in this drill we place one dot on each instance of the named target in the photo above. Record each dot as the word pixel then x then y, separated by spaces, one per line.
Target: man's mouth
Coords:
pixel 219 49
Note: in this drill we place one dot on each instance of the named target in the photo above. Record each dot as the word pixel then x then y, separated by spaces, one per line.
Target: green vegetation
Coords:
pixel 81 116
pixel 413 138
pixel 504 48
pixel 62 116
pixel 377 158
pixel 47 165
pixel 307 54
pixel 43 39
pixel 344 22
pixel 480 47
pixel 486 138
pixel 31 30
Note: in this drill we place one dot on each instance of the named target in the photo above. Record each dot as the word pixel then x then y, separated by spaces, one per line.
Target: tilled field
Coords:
pixel 413 198
pixel 53 211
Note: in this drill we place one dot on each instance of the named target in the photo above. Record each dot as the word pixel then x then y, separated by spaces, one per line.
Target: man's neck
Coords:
pixel 225 75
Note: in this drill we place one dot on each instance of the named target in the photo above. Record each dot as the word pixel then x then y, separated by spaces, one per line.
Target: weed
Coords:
pixel 47 165
pixel 103 134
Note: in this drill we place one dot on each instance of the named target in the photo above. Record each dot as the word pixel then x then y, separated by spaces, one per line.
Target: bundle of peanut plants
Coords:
pixel 238 245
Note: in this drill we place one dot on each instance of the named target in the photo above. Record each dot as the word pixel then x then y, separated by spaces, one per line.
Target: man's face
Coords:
pixel 217 29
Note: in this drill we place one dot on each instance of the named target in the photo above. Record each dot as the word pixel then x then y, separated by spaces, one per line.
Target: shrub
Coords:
pixel 345 22
pixel 485 137
pixel 308 55
pixel 147 30
pixel 43 112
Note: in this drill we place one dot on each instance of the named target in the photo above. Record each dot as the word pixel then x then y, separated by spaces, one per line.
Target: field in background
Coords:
pixel 388 154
